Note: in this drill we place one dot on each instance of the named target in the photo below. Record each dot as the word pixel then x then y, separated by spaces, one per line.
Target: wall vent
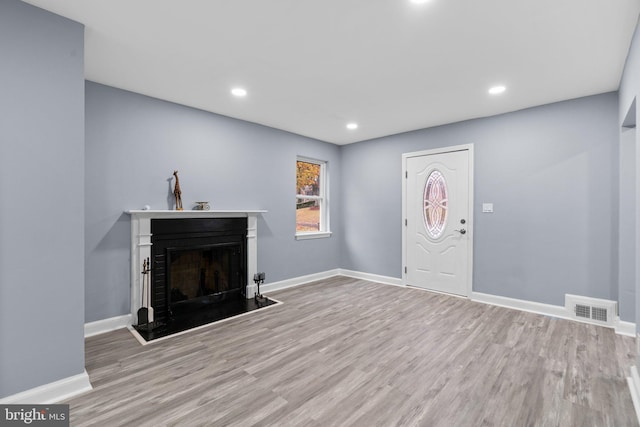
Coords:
pixel 591 310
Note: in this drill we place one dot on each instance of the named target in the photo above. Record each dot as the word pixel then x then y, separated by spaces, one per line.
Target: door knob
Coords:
pixel 461 231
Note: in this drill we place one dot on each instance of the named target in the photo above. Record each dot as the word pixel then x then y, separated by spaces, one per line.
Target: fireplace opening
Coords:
pixel 203 275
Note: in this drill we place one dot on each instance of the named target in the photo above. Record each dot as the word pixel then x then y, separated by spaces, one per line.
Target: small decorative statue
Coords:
pixel 177 192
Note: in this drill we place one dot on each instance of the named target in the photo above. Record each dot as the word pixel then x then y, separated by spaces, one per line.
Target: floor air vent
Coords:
pixel 592 310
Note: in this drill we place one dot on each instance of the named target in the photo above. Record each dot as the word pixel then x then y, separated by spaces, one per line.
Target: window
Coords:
pixel 312 206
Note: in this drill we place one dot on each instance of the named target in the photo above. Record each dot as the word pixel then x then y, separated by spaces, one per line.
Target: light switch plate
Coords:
pixel 487 207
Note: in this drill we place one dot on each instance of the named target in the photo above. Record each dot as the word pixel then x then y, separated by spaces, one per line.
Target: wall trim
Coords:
pixel 522 305
pixel 295 281
pixel 107 325
pixel 634 388
pixel 387 280
pixel 54 392
pixel 620 327
pixel 625 328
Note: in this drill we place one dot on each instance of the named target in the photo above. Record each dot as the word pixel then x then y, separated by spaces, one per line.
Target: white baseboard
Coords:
pixel 301 280
pixel 625 328
pixel 54 392
pixel 522 305
pixel 621 327
pixel 634 388
pixel 106 325
pixel 387 280
pixel 296 281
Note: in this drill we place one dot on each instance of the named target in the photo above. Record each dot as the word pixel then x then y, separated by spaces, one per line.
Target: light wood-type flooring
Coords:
pixel 347 352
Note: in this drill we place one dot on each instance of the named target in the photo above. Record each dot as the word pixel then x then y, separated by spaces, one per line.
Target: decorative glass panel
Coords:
pixel 435 204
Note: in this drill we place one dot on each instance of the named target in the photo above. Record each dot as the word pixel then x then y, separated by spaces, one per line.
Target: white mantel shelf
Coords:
pixel 141 242
pixel 194 213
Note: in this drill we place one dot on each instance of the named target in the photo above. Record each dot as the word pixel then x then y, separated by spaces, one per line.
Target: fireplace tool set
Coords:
pixel 145 313
pixel 258 297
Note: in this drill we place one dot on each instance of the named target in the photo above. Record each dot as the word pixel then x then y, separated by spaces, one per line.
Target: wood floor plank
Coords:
pixel 348 352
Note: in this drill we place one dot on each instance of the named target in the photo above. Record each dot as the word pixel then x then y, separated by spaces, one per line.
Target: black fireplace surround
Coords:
pixel 197 263
pixel 198 274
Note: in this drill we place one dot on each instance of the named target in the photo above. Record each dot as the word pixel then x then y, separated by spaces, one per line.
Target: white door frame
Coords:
pixel 469 226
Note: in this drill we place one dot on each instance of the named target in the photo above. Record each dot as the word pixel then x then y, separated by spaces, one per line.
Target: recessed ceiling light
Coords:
pixel 496 90
pixel 238 91
pixel 419 1
pixel 352 126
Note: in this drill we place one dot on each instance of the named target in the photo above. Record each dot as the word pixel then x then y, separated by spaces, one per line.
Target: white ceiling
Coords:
pixel 390 65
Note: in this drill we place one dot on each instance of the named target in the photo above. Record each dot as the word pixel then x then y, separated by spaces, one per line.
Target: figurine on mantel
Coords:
pixel 177 192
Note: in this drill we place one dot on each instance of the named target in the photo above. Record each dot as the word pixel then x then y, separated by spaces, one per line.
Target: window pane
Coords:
pixel 435 204
pixel 308 179
pixel 307 215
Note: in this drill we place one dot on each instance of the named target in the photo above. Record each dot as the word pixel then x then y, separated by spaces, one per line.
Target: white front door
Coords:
pixel 437 226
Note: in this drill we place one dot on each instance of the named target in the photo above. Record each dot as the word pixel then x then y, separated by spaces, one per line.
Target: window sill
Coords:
pixel 316 235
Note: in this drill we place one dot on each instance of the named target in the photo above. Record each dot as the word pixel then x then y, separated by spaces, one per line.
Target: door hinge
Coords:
pixel 405 270
pixel 406 174
pixel 405 222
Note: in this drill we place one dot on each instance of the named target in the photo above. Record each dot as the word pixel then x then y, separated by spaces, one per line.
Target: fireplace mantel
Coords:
pixel 193 213
pixel 141 243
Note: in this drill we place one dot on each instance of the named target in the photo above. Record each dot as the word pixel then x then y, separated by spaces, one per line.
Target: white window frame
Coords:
pixel 323 198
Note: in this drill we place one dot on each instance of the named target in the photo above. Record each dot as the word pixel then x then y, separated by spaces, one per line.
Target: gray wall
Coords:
pixel 133 144
pixel 628 93
pixel 42 209
pixel 551 173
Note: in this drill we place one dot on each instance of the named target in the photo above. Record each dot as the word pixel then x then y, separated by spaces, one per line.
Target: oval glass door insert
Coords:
pixel 435 204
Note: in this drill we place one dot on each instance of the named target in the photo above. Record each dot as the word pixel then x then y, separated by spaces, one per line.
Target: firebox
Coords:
pixel 203 275
pixel 197 264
